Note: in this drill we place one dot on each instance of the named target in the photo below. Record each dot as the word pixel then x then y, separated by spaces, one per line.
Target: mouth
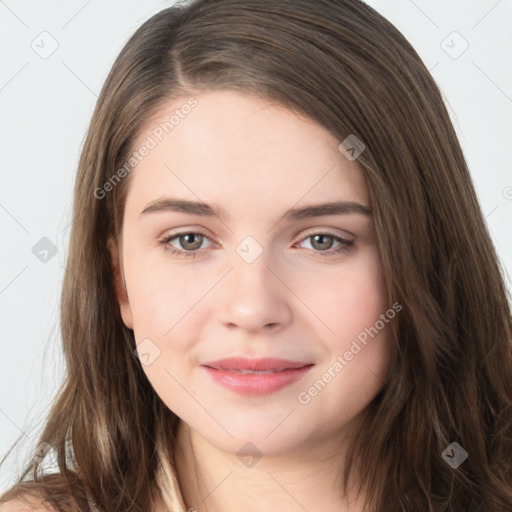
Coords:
pixel 257 372
pixel 256 376
pixel 261 365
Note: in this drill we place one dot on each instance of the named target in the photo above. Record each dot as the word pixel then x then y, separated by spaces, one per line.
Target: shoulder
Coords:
pixel 50 494
pixel 26 505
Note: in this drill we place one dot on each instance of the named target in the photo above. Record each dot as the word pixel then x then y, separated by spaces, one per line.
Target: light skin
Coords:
pixel 256 160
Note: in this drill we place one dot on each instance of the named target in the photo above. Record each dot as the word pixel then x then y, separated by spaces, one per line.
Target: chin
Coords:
pixel 256 439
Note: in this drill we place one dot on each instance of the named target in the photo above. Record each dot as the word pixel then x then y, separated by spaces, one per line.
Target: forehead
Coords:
pixel 238 149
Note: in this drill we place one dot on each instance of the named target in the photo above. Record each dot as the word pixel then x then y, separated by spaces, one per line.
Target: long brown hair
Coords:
pixel 450 380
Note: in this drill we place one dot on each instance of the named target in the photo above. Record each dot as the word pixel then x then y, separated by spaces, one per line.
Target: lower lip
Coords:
pixel 257 383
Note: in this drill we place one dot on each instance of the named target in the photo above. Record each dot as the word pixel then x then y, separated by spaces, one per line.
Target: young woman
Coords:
pixel 280 291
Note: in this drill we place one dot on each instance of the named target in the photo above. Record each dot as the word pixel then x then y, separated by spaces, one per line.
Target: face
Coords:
pixel 245 278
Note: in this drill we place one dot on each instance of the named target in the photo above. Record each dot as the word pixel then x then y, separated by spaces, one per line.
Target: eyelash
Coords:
pixel 345 244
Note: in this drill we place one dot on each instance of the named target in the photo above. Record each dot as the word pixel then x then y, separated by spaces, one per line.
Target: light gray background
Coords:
pixel 46 102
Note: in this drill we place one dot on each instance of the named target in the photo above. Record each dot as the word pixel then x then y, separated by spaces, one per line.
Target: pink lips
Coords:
pixel 270 374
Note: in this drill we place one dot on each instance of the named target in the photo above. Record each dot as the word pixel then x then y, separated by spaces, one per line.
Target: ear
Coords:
pixel 121 293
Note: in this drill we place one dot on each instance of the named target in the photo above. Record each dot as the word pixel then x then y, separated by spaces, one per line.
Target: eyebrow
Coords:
pixel 211 210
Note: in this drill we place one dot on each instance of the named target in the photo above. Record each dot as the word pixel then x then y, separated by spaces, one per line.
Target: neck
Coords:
pixel 212 480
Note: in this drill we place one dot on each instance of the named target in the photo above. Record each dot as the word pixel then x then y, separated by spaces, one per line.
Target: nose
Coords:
pixel 255 296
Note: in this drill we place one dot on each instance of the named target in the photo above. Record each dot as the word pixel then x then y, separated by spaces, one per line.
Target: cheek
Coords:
pixel 346 298
pixel 357 355
pixel 352 299
pixel 165 325
pixel 168 306
pixel 160 294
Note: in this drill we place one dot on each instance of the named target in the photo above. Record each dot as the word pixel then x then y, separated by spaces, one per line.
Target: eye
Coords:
pixel 188 240
pixel 192 241
pixel 324 242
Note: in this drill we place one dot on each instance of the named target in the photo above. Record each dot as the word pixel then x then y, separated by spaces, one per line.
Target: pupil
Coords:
pixel 321 237
pixel 189 237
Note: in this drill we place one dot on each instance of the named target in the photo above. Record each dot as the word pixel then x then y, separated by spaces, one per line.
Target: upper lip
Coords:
pixel 254 364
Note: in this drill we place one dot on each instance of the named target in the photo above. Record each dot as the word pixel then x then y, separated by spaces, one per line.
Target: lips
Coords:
pixel 260 376
pixel 260 365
